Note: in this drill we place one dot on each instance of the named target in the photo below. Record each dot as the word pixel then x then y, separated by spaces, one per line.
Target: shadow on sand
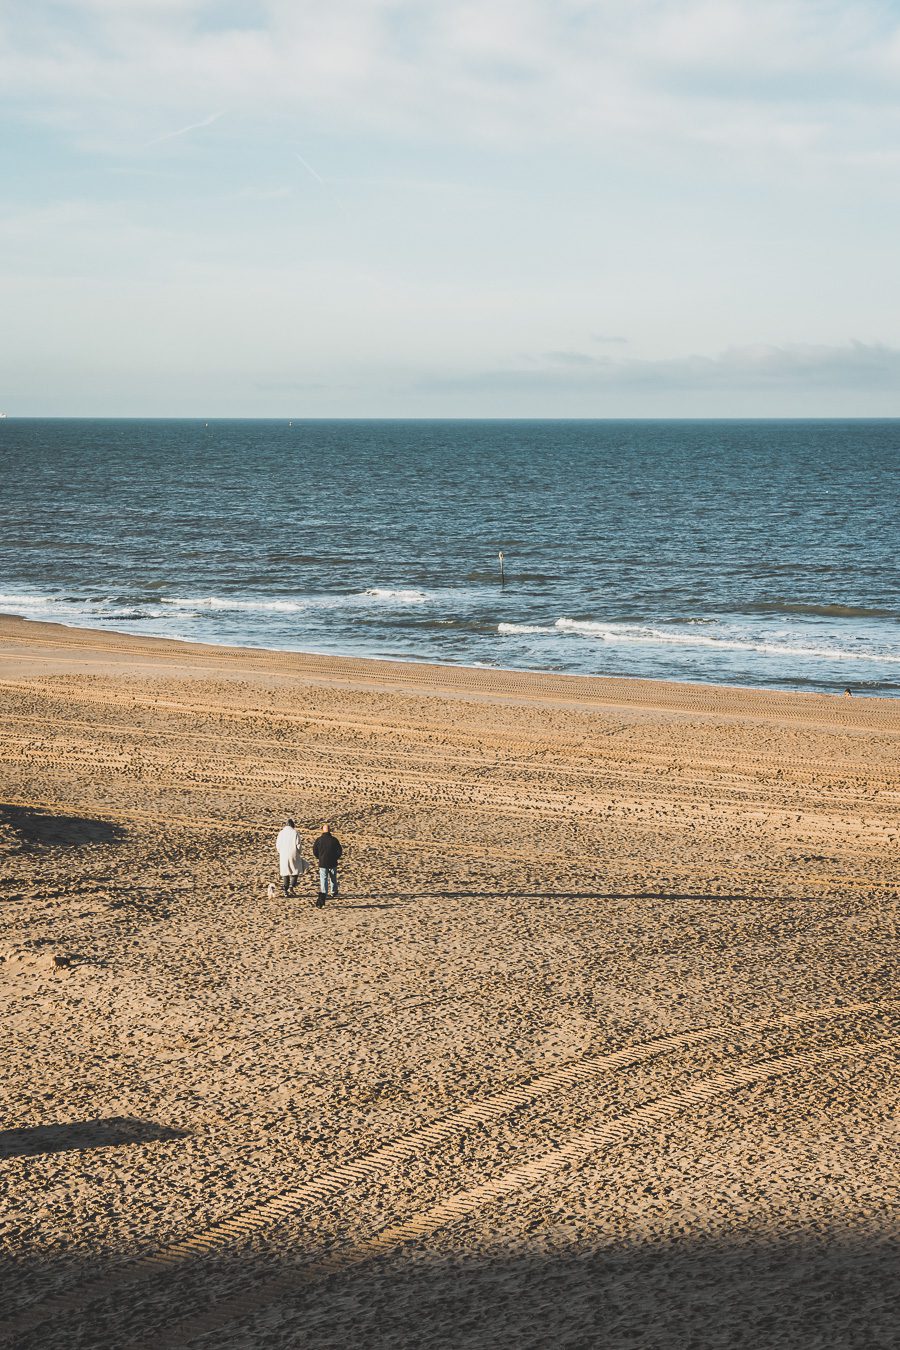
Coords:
pixel 833 1292
pixel 35 829
pixel 372 905
pixel 33 1140
pixel 712 897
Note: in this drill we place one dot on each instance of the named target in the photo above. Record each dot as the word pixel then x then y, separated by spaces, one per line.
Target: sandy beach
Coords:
pixel 596 1047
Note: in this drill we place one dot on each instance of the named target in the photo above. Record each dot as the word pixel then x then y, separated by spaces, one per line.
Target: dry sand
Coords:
pixel 596 1048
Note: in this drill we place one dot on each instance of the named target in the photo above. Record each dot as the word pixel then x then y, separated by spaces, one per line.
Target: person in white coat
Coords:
pixel 290 863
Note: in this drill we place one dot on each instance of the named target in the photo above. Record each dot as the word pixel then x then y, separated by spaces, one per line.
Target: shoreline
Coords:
pixel 614 689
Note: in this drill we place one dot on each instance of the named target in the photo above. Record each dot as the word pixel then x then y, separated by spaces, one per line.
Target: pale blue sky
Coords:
pixel 503 208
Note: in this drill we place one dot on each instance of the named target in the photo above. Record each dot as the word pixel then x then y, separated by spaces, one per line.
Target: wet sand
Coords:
pixel 597 1047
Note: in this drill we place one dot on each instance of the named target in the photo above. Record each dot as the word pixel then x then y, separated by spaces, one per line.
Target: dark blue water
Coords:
pixel 761 553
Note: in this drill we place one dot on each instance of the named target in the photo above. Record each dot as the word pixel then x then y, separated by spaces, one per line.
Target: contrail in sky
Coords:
pixel 309 169
pixel 192 126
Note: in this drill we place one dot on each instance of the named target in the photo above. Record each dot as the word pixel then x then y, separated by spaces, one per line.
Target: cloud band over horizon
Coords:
pixel 511 205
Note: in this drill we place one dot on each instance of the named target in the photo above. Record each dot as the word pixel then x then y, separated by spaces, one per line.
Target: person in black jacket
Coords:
pixel 327 850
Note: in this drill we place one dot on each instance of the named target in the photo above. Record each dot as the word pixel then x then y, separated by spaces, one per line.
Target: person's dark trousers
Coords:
pixel 288 883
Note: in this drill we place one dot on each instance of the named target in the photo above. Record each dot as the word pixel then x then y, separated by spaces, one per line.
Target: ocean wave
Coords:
pixel 18 600
pixel 61 608
pixel 297 605
pixel 230 603
pixel 406 597
pixel 110 608
pixel 26 603
pixel 512 629
pixel 648 636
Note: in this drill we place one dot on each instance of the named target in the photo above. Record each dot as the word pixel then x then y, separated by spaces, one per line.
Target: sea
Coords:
pixel 758 553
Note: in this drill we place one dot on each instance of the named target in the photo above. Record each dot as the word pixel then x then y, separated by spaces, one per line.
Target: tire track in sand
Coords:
pixel 231 1232
pixel 422 1225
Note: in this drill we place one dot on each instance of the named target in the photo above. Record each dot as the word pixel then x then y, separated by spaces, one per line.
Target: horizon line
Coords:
pixel 492 417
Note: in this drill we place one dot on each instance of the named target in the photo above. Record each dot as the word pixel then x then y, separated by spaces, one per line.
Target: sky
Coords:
pixel 451 208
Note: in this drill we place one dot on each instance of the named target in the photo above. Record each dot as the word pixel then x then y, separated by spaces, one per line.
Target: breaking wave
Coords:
pixel 766 644
pixel 510 629
pixel 404 597
pixel 215 602
pixel 297 605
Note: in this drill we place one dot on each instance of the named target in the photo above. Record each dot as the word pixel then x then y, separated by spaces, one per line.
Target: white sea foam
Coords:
pixel 298 605
pixel 766 643
pixel 17 601
pixel 85 610
pixel 513 629
pixel 88 608
pixel 46 607
pixel 677 637
pixel 404 597
pixel 229 603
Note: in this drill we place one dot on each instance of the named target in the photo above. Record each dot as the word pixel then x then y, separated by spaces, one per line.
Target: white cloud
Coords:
pixel 791 77
pixel 191 126
pixel 854 366
pixel 499 176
